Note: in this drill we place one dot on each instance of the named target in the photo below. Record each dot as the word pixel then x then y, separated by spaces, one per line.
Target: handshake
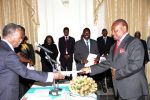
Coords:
pixel 61 74
pixel 84 70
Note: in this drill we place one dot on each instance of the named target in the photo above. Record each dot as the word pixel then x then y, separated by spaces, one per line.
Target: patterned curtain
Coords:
pixel 23 12
pixel 96 5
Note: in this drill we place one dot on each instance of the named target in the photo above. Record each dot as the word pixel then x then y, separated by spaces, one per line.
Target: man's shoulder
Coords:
pixel 92 40
pixel 100 37
pixel 79 41
pixel 143 41
pixel 72 38
pixel 61 37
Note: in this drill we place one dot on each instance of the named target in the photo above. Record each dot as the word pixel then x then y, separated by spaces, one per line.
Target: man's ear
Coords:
pixel 124 28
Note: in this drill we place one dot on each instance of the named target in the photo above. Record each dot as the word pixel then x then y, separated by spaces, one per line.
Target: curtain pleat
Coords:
pixel 23 12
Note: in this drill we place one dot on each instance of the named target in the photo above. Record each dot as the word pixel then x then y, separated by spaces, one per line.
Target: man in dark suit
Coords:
pixel 146 57
pixel 82 51
pixel 126 63
pixel 11 67
pixel 104 43
pixel 66 48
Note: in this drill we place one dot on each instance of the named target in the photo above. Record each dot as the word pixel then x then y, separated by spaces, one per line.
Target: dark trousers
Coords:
pixel 66 65
pixel 46 66
pixel 104 79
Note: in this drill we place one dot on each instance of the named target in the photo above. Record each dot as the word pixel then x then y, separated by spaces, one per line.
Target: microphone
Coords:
pixel 42 47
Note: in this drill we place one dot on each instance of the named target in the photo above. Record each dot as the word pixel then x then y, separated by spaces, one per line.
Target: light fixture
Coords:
pixel 65 2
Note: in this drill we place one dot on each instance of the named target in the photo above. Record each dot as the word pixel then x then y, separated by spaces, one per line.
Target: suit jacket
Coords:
pixel 148 43
pixel 130 76
pixel 81 52
pixel 10 69
pixel 62 48
pixel 103 47
pixel 31 52
pixel 146 57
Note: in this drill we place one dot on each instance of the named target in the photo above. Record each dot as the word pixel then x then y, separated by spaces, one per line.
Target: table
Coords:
pixel 38 92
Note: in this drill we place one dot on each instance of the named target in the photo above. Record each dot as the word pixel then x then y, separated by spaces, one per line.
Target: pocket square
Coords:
pixel 122 50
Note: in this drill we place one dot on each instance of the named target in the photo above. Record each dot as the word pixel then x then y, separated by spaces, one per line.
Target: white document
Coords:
pixel 91 57
pixel 69 72
pixel 102 58
pixel 30 67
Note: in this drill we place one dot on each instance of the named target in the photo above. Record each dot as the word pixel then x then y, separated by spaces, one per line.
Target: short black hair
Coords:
pixel 10 29
pixel 118 21
pixel 86 29
pixel 66 28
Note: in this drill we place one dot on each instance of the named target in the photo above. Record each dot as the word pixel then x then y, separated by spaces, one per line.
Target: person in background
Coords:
pixel 83 48
pixel 138 35
pixel 29 50
pixel 104 44
pixel 66 47
pixel 49 44
pixel 26 55
pixel 126 63
pixel 11 66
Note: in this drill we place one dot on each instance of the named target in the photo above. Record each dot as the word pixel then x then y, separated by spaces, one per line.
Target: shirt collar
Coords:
pixel 66 37
pixel 104 37
pixel 123 36
pixel 86 40
pixel 8 44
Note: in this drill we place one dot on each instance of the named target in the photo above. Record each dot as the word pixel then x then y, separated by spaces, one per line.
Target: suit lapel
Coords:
pixel 122 45
pixel 84 45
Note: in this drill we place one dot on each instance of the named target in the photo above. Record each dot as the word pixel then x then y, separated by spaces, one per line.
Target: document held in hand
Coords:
pixel 91 57
pixel 69 72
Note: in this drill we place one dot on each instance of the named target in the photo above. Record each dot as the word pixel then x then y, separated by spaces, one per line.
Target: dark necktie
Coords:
pixel 116 47
pixel 105 39
pixel 66 40
pixel 87 44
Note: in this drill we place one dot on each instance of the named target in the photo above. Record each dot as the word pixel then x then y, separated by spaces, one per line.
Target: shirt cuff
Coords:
pixel 50 77
pixel 90 70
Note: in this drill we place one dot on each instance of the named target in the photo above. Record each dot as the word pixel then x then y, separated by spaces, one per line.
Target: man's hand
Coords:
pixel 30 62
pixel 96 61
pixel 67 56
pixel 85 70
pixel 58 75
pixel 113 72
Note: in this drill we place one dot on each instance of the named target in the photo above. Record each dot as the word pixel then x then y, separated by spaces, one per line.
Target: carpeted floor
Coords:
pixel 109 95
